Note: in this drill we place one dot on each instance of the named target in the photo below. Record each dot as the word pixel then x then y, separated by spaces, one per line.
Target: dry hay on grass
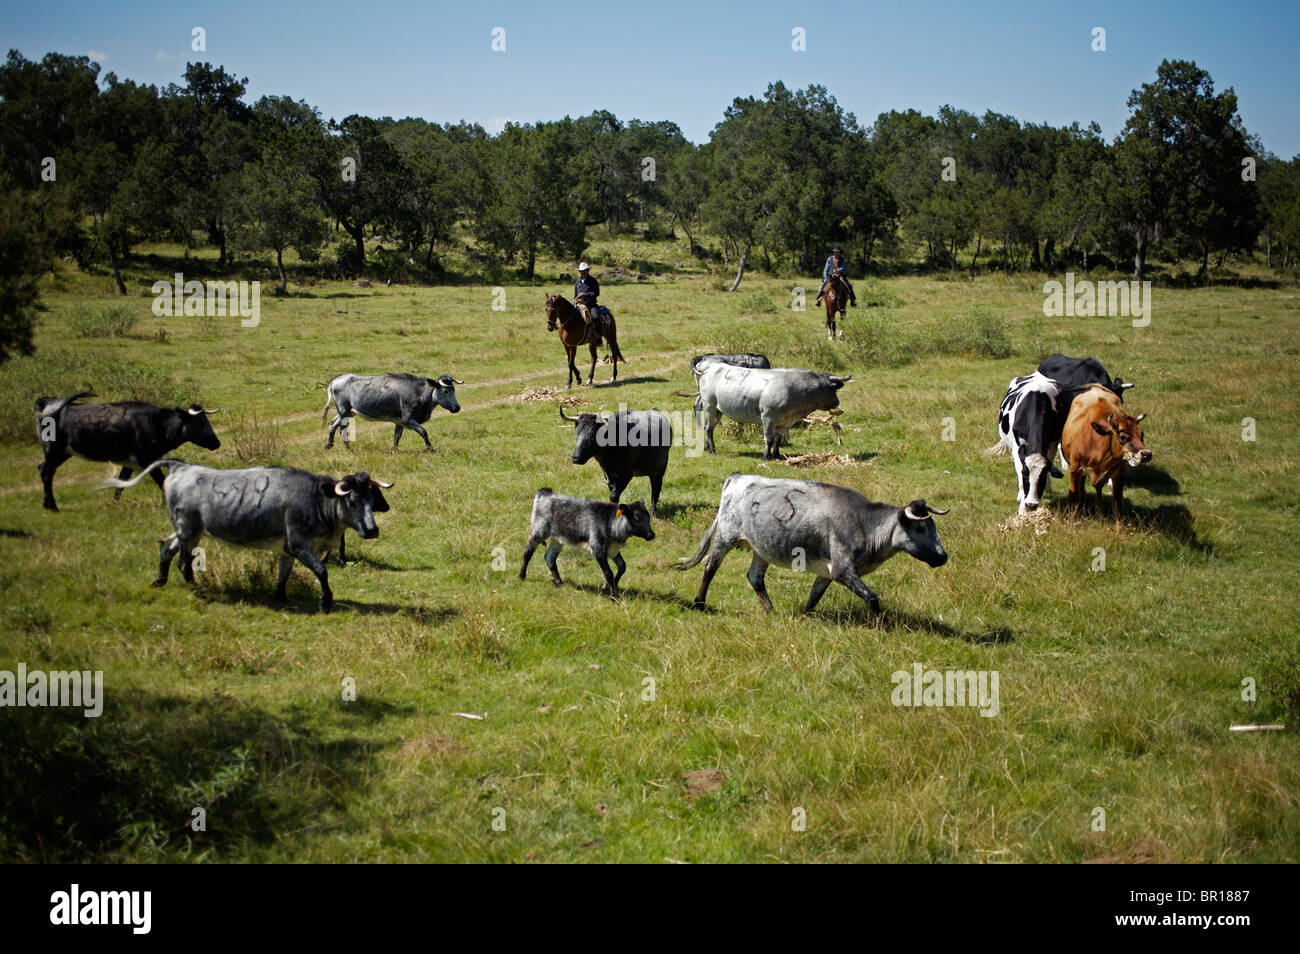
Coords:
pixel 543 393
pixel 1039 520
pixel 824 459
pixel 825 419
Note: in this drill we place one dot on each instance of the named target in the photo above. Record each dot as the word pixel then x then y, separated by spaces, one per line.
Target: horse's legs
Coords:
pixel 592 373
pixel 570 353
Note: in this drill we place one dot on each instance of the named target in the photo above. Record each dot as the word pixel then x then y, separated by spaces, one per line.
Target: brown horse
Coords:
pixel 835 297
pixel 574 333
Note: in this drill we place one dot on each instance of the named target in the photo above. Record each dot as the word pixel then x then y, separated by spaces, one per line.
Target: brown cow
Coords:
pixel 1099 440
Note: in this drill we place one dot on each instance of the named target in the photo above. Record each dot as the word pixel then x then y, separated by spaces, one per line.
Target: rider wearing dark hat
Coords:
pixel 585 292
pixel 836 265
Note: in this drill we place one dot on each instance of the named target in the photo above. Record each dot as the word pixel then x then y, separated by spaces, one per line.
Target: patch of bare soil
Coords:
pixel 702 782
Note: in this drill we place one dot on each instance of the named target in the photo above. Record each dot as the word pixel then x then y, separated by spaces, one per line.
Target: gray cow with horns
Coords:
pixel 773 397
pixel 403 400
pixel 831 531
pixel 295 512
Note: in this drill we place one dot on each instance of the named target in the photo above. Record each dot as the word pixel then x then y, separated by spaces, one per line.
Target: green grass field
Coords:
pixel 1117 686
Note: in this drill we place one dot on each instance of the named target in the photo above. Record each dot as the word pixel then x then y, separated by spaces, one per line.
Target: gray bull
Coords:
pixel 404 400
pixel 298 513
pixel 834 532
pixel 775 398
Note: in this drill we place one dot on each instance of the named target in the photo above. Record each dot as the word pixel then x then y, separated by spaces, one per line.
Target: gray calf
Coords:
pixel 599 528
pixel 775 398
pixel 831 531
pixel 404 400
pixel 297 513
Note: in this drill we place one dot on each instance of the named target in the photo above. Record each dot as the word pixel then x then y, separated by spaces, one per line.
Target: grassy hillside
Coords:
pixel 1117 687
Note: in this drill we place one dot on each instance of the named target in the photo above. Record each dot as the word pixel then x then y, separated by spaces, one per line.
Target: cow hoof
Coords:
pixel 557 581
pixel 326 605
pixel 698 605
pixel 329 446
pixel 159 582
pixel 50 506
pixel 874 606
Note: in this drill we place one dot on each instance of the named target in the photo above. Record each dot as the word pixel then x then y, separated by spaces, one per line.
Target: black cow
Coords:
pixel 626 444
pixel 595 526
pixel 130 434
pixel 1077 372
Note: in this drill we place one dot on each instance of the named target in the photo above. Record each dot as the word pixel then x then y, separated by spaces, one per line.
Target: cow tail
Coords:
pixel 329 396
pixel 685 563
pixel 997 449
pixel 123 484
pixel 48 407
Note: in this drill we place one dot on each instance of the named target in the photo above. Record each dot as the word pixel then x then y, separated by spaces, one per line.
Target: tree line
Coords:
pixel 91 167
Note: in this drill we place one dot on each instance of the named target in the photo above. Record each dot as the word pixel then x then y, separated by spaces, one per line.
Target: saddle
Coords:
pixel 596 327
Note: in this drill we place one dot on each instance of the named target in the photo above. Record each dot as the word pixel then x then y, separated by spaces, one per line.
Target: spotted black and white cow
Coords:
pixel 1030 421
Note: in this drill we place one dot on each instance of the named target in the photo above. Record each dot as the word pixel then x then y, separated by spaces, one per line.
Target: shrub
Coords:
pixel 756 303
pixel 58 374
pixel 113 321
pixel 259 443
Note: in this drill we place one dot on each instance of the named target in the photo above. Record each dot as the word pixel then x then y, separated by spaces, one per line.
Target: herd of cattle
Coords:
pixel 1069 405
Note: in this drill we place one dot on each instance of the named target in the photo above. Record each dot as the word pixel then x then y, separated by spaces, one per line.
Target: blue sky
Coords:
pixel 686 61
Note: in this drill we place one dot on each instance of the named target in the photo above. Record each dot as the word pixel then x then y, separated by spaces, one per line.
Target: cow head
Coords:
pixel 836 382
pixel 586 435
pixel 915 534
pixel 1035 468
pixel 637 518
pixel 444 392
pixel 360 498
pixel 197 429
pixel 1124 428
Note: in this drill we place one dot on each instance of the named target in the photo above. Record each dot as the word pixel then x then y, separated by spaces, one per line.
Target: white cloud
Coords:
pixel 162 56
pixel 496 124
pixel 97 56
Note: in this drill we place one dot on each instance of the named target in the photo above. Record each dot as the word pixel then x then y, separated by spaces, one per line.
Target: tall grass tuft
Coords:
pixel 113 321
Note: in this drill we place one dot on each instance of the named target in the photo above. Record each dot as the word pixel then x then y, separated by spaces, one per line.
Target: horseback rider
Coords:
pixel 585 292
pixel 836 265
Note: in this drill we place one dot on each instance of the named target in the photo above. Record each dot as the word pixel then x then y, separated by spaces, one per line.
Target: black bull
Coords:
pixel 626 444
pixel 131 434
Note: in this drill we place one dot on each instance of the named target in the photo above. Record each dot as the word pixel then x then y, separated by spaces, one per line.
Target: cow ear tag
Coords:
pixel 618 512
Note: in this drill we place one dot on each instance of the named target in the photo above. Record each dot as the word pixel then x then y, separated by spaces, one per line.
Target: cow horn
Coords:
pixel 381 484
pixel 911 514
pixel 936 511
pixel 215 410
pixel 455 381
pixel 571 420
pixel 340 489
pixel 1125 385
pixel 1141 416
